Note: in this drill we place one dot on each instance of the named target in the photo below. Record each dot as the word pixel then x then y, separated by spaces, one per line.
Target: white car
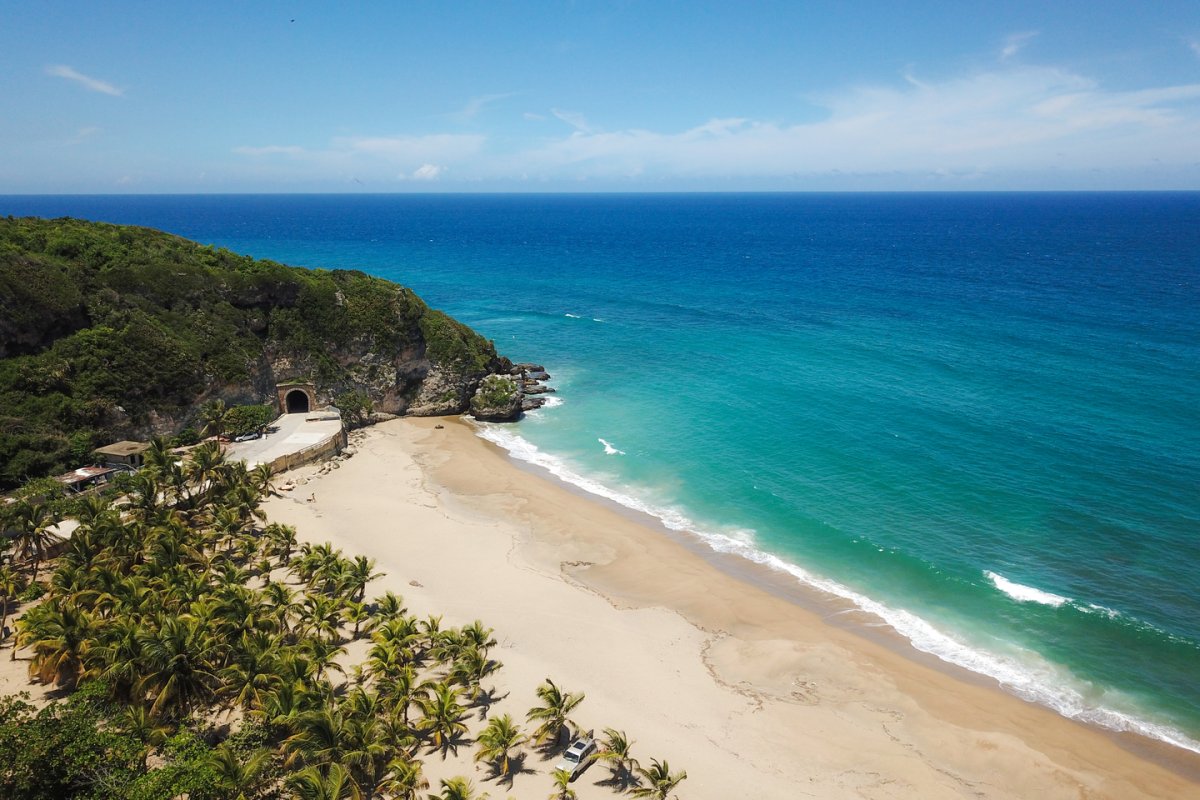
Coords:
pixel 579 755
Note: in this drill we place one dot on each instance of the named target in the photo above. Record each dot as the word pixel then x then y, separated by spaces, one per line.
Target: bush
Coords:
pixel 241 420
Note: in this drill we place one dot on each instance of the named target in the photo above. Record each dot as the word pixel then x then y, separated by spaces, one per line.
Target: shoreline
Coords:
pixel 757 660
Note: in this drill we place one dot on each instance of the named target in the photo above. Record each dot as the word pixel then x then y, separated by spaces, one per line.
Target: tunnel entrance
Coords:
pixel 297 402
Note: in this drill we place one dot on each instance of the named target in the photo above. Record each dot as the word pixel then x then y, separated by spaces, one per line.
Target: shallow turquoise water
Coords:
pixel 976 415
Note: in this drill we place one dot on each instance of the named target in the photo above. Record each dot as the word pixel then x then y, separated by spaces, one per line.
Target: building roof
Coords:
pixel 122 449
pixel 84 474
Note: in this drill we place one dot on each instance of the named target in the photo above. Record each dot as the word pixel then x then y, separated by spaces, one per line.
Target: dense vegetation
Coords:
pixel 110 331
pixel 203 654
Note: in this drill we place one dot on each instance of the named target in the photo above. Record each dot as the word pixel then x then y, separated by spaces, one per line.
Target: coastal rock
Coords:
pixel 527 367
pixel 498 399
pixel 541 375
pixel 539 389
pixel 532 403
pixel 443 392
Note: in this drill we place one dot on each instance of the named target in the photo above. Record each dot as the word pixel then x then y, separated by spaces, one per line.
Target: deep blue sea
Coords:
pixel 976 415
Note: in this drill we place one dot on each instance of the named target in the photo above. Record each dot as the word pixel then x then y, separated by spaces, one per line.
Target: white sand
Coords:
pixel 753 695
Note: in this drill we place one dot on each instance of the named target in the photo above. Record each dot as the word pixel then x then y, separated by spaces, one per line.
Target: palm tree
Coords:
pixel 322 738
pixel 254 672
pixel 137 721
pixel 329 784
pixel 404 779
pixel 617 750
pixel 238 775
pixel 659 780
pixel 11 585
pixel 470 669
pixel 562 786
pixel 356 613
pixel 61 636
pixel 389 605
pixel 553 713
pixel 178 656
pixel 32 523
pixel 457 789
pixel 443 716
pixel 357 574
pixel 212 414
pixel 498 741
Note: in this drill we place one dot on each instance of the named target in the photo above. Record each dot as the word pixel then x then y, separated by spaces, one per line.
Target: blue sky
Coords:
pixel 617 96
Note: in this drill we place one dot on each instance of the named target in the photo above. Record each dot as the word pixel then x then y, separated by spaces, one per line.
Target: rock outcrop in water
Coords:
pixel 113 332
pixel 498 399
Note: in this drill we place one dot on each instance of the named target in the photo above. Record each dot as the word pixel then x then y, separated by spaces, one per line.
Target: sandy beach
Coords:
pixel 753 693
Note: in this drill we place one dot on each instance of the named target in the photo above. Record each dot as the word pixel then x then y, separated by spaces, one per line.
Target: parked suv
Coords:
pixel 579 755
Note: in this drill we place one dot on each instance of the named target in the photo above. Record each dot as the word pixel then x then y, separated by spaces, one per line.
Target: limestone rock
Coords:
pixel 498 399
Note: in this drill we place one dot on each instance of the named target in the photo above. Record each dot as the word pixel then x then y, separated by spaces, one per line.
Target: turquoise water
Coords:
pixel 975 415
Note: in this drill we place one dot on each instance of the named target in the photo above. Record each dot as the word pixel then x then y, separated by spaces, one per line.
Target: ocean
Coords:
pixel 975 415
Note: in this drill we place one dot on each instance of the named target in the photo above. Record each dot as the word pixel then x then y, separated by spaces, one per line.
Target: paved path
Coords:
pixel 295 432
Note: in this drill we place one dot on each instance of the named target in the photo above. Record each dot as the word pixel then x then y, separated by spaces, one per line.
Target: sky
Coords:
pixel 123 97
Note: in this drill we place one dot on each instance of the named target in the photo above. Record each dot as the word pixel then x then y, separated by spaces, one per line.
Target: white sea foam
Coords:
pixel 1023 593
pixel 573 316
pixel 609 450
pixel 1022 672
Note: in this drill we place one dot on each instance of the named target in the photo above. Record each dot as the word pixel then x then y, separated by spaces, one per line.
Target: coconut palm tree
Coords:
pixel 498 742
pixel 357 573
pixel 322 738
pixel 332 783
pixel 61 636
pixel 617 750
pixel 553 713
pixel 658 780
pixel 457 788
pixel 471 668
pixel 389 605
pixel 32 523
pixel 238 775
pixel 443 716
pixel 404 780
pixel 562 786
pixel 212 415
pixel 12 583
pixel 178 658
pixel 356 613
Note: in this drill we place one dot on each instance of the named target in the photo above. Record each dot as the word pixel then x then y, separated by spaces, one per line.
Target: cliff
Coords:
pixel 110 332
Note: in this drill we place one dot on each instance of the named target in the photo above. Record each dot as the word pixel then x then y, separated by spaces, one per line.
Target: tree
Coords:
pixel 241 420
pixel 553 713
pixel 212 414
pixel 659 780
pixel 61 636
pixel 457 788
pixel 617 750
pixel 332 783
pixel 498 741
pixel 443 716
pixel 562 786
pixel 238 775
pixel 11 585
pixel 404 779
pixel 178 665
pixel 32 523
pixel 356 407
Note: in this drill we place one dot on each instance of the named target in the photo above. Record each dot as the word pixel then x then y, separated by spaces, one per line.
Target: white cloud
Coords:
pixel 420 149
pixel 1012 119
pixel 1014 43
pixel 427 172
pixel 95 84
pixel 529 115
pixel 572 118
pixel 477 104
pixel 1194 44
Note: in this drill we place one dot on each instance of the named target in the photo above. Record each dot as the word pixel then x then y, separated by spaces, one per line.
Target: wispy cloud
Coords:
pixel 529 115
pixel 1194 44
pixel 477 104
pixel 95 84
pixel 572 118
pixel 270 150
pixel 1012 119
pixel 1014 43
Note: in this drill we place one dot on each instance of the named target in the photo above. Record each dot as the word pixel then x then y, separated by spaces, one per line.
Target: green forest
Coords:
pixel 108 331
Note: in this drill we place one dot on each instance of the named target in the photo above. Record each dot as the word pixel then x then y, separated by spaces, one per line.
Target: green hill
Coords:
pixel 109 332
